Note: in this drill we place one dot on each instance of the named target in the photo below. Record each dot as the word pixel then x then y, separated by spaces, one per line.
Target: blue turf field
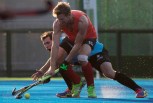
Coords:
pixel 108 91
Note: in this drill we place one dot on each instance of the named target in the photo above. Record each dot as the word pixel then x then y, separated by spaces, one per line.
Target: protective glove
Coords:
pixel 47 80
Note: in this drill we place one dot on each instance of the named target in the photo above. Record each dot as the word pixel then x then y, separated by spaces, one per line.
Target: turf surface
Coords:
pixel 108 91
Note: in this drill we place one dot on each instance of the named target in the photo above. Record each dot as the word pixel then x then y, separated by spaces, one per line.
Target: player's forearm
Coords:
pixel 54 55
pixel 45 67
pixel 78 43
pixel 73 52
pixel 55 47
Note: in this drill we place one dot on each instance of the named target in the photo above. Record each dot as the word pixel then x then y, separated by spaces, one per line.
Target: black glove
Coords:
pixel 46 81
pixel 64 65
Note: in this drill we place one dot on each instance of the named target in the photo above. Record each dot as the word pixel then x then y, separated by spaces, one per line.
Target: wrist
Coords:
pixel 39 72
pixel 53 65
pixel 66 62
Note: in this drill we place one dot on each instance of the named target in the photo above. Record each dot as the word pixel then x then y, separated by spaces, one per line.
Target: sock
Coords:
pixel 126 81
pixel 67 81
pixel 71 75
pixel 88 73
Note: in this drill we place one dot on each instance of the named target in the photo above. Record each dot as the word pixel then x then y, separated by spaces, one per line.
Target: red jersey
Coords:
pixel 91 32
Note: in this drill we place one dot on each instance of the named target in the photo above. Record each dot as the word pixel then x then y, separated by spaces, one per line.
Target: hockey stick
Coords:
pixel 18 93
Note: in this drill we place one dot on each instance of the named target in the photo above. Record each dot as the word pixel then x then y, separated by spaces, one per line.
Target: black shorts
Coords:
pixel 97 59
pixel 67 45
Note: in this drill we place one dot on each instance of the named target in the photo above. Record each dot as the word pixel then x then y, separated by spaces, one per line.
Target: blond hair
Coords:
pixel 61 8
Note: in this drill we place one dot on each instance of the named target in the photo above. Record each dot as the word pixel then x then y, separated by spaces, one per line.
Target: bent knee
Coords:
pixel 109 74
pixel 83 59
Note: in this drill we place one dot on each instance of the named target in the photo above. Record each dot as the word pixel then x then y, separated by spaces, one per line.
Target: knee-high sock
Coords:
pixel 67 80
pixel 88 73
pixel 126 81
pixel 71 75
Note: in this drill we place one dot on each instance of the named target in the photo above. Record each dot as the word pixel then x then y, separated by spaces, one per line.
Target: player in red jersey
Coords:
pixel 80 31
pixel 99 59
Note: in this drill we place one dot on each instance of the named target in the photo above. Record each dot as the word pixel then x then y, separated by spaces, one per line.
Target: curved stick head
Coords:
pixel 18 97
pixel 14 91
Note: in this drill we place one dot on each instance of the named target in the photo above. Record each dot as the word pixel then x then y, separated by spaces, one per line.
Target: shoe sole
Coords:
pixel 63 96
pixel 91 97
pixel 76 96
pixel 145 95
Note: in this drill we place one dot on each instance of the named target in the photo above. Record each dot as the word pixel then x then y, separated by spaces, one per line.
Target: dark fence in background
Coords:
pixel 22 52
pixel 132 65
pixel 135 66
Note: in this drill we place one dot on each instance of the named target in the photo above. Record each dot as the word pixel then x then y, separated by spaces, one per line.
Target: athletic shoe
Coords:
pixel 141 93
pixel 66 94
pixel 91 92
pixel 76 88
